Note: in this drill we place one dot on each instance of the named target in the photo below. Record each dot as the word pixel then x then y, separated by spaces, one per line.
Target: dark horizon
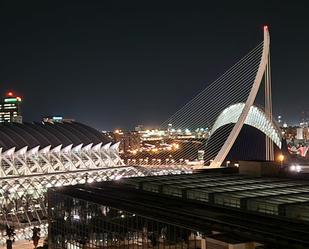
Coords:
pixel 117 66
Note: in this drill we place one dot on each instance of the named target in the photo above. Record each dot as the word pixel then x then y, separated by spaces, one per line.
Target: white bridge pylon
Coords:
pixel 239 84
pixel 248 104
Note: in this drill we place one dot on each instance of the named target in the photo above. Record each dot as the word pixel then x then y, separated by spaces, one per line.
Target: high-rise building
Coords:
pixel 139 128
pixel 300 133
pixel 10 109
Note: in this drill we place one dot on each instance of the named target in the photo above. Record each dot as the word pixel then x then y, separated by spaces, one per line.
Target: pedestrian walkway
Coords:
pixel 23 244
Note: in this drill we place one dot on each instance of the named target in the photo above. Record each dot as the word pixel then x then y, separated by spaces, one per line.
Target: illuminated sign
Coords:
pixel 57 118
pixel 12 100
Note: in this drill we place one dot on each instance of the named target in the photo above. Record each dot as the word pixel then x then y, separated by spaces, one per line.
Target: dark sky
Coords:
pixel 122 64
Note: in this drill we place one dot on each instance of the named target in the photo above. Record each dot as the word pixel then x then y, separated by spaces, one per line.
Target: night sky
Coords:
pixel 123 64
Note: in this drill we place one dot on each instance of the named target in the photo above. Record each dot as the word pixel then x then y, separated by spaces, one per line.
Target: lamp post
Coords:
pixel 281 159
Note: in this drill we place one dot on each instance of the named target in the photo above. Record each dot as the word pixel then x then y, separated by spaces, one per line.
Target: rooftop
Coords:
pixel 31 135
pixel 202 205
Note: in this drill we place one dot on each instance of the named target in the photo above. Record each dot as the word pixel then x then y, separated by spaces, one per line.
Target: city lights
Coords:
pixel 295 168
pixel 281 159
pixel 174 160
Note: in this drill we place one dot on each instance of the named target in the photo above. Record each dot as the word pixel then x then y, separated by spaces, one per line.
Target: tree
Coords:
pixel 36 236
pixel 10 233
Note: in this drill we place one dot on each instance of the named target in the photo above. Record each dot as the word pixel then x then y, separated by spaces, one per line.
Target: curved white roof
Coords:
pixel 256 118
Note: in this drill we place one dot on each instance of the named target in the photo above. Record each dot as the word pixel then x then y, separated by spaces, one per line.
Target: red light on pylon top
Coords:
pixel 10 94
pixel 265 26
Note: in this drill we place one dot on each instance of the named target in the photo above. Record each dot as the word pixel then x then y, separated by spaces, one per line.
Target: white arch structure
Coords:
pixel 255 118
pixel 26 174
pixel 248 104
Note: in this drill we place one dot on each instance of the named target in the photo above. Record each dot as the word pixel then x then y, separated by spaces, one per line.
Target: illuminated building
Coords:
pixel 129 141
pixel 300 133
pixel 306 133
pixel 139 128
pixel 35 156
pixel 10 109
pixel 153 135
pixel 211 209
pixel 250 144
pixel 53 119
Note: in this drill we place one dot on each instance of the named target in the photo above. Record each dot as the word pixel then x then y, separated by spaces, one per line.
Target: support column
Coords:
pixel 269 146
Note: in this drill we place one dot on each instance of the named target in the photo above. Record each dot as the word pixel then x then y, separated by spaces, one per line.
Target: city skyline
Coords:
pixel 154 125
pixel 120 66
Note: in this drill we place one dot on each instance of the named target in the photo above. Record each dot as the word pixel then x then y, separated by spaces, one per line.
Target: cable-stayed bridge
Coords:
pixel 230 99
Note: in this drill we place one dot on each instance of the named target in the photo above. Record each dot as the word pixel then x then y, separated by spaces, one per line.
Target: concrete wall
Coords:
pixel 255 168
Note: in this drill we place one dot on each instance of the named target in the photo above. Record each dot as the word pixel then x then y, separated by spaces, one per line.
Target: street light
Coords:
pixel 281 158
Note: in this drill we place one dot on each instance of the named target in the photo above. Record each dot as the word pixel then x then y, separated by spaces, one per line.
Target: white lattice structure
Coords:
pixel 33 158
pixel 255 118
pixel 26 175
pixel 59 159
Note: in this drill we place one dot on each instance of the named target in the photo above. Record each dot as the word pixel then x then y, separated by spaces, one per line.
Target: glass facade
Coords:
pixel 76 223
pixel 264 195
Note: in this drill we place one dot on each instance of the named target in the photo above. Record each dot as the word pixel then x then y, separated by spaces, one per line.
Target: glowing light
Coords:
pixel 118 177
pixel 10 94
pixel 10 100
pixel 76 217
pixel 296 168
pixel 265 27
pixel 176 146
pixel 281 158
pixel 57 118
pixel 118 131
